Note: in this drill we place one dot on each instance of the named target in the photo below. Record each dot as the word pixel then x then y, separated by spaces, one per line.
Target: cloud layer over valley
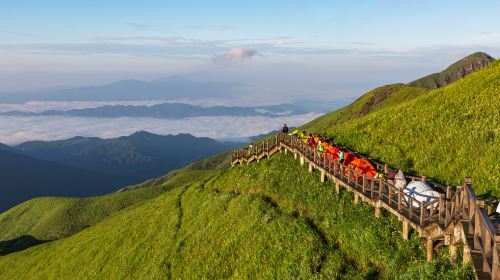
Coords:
pixel 15 130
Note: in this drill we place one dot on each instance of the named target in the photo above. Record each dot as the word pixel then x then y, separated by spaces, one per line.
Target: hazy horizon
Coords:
pixel 256 53
pixel 334 49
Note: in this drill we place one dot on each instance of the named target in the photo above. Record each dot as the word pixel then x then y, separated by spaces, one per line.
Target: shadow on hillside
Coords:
pixel 19 244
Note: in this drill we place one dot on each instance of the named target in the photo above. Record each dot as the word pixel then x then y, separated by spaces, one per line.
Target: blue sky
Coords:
pixel 320 48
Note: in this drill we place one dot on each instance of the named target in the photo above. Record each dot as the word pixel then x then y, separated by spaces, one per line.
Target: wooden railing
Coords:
pixel 255 151
pixel 447 210
pixel 481 227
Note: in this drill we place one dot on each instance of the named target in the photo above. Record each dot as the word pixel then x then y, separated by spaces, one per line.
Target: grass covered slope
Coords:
pixel 448 134
pixel 393 94
pixel 51 218
pixel 267 220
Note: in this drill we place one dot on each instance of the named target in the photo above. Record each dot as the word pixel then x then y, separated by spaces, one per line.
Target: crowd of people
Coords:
pixel 418 190
pixel 325 148
pixel 320 144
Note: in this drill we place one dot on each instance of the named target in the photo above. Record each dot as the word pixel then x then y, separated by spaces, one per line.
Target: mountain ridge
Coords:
pixel 131 89
pixel 168 111
pixel 392 94
pixel 454 72
pixel 108 164
pixel 25 177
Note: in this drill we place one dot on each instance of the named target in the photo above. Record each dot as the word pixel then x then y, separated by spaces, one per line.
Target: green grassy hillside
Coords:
pixel 394 94
pixel 50 218
pixel 448 134
pixel 268 220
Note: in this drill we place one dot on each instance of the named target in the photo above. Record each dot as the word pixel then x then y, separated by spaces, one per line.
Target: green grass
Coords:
pixel 51 218
pixel 267 220
pixel 446 134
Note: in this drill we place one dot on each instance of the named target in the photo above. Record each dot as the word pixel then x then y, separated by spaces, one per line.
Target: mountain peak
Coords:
pixel 454 72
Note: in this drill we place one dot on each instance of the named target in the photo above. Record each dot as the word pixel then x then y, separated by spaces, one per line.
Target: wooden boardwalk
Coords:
pixel 455 218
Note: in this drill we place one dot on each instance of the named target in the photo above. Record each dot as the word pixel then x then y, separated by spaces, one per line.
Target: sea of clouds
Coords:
pixel 15 130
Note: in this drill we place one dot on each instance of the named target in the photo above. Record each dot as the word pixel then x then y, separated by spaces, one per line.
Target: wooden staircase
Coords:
pixel 453 219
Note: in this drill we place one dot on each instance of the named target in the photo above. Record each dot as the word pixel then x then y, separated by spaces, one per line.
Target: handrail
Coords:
pixel 454 206
pixel 420 213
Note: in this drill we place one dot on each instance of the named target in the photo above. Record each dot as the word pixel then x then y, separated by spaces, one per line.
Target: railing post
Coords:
pixel 487 249
pixel 389 194
pixel 400 200
pixel 380 188
pixel 441 208
pixel 372 188
pixel 410 206
pixel 348 175
pixel 422 213
pixel 447 212
pixel 477 230
pixel 448 192
pixel 364 182
pixel 495 269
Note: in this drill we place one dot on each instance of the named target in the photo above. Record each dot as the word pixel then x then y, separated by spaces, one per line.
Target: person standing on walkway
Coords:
pixel 320 149
pixel 250 149
pixel 341 155
pixel 310 140
pixel 285 129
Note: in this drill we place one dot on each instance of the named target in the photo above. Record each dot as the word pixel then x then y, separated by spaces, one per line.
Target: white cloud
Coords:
pixel 15 130
pixel 484 39
pixel 39 106
pixel 235 54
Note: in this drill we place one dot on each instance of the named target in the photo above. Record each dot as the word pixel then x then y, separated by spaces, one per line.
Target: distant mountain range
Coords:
pixel 83 166
pixel 174 87
pixel 170 111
